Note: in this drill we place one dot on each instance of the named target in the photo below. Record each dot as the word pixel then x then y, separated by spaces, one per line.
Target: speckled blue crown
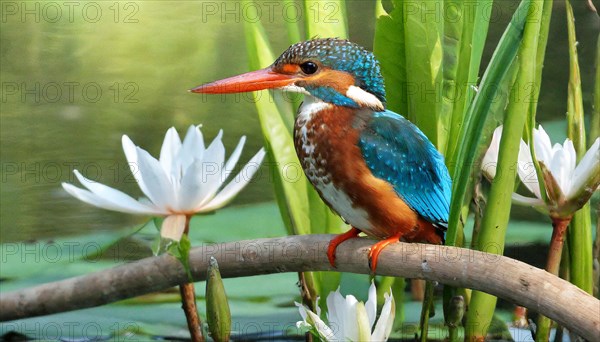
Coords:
pixel 343 55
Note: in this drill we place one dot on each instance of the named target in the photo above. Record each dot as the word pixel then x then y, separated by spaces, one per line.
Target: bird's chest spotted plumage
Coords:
pixel 326 140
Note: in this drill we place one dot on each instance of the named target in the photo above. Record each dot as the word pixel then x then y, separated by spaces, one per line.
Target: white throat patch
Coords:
pixel 310 106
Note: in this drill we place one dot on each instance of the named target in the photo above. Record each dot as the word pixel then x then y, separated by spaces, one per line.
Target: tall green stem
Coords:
pixel 531 114
pixel 497 211
pixel 595 121
pixel 426 310
pixel 580 234
pixel 597 256
pixel 480 121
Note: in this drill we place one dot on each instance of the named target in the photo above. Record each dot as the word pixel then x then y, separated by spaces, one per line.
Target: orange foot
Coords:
pixel 377 248
pixel 352 233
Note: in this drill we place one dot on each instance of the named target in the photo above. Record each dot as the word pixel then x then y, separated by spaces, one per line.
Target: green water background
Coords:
pixel 74 79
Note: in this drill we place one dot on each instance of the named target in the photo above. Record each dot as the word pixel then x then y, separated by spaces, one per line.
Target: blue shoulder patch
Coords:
pixel 396 151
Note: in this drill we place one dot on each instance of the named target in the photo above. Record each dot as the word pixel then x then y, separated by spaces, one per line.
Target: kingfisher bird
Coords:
pixel 371 166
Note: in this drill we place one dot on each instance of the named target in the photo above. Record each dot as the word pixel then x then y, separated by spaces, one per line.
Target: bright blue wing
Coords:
pixel 395 150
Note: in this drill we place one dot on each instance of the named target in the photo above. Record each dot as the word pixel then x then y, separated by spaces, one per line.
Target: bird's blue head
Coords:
pixel 334 70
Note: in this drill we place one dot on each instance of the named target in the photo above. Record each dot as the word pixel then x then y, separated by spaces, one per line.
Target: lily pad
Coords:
pixel 31 258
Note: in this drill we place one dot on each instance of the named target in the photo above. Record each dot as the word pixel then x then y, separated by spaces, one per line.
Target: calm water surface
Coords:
pixel 73 83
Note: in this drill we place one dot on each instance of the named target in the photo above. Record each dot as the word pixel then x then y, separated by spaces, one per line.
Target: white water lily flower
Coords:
pixel 186 179
pixel 568 186
pixel 351 320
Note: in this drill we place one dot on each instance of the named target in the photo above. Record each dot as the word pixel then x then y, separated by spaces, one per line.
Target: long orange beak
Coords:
pixel 251 81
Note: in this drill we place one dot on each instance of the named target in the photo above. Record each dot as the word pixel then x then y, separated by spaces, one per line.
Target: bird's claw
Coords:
pixel 331 254
pixel 336 241
pixel 377 248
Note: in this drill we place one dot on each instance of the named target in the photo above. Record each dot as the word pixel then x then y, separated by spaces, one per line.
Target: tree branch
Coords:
pixel 510 279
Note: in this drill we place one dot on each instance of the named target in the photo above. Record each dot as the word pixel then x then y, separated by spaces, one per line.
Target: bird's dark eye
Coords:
pixel 309 68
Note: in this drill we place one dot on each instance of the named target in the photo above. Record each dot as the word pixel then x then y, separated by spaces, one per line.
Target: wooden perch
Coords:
pixel 500 276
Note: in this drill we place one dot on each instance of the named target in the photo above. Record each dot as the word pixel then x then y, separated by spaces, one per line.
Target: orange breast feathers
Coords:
pixel 333 135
